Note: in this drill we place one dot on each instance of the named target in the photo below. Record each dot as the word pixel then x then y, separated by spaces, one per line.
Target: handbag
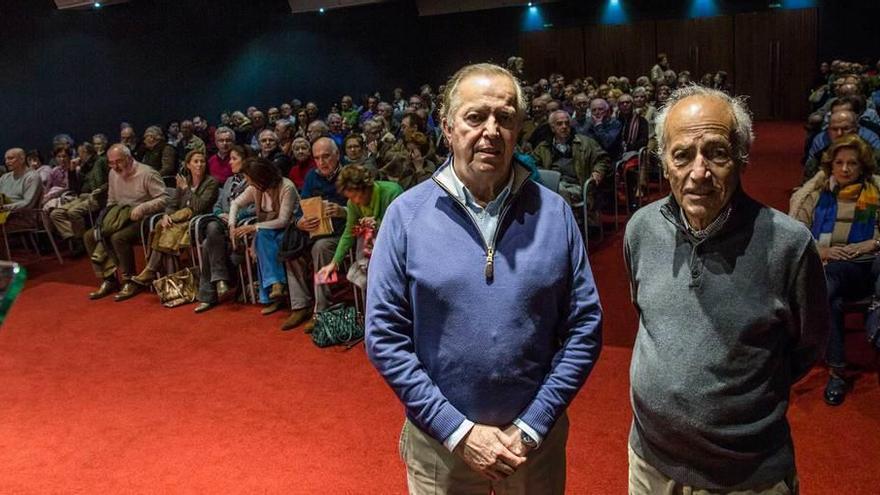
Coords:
pixel 336 325
pixel 294 244
pixel 177 288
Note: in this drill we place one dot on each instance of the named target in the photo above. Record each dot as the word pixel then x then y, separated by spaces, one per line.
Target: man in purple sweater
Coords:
pixel 482 314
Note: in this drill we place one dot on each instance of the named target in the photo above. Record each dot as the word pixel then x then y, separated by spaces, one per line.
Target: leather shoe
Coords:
pixel 107 287
pixel 202 307
pixel 310 326
pixel 270 308
pixel 835 391
pixel 277 291
pixel 129 290
pixel 296 318
pixel 224 292
pixel 144 278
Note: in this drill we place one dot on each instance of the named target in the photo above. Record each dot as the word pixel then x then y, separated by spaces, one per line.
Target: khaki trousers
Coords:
pixel 431 469
pixel 645 479
pixel 69 219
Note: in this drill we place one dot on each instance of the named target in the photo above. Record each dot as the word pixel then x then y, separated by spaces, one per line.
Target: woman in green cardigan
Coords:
pixel 367 201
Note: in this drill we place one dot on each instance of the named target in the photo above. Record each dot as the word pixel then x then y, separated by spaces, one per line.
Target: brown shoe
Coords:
pixel 296 318
pixel 276 292
pixel 270 308
pixel 107 287
pixel 309 326
pixel 129 290
pixel 144 278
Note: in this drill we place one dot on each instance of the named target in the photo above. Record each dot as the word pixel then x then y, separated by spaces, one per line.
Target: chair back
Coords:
pixel 550 179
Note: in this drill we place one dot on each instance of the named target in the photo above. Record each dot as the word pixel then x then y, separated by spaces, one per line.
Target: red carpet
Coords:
pixel 99 397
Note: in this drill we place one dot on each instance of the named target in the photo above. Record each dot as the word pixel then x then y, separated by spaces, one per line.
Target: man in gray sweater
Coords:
pixel 732 311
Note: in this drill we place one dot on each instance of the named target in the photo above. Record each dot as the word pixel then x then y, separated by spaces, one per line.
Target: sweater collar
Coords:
pixel 742 210
pixel 445 176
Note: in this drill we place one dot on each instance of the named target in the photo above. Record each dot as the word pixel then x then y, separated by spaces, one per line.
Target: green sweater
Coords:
pixel 383 194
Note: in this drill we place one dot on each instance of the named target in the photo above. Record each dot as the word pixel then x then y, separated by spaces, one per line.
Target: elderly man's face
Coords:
pixel 841 123
pixel 224 142
pixel 126 137
pixel 186 129
pixel 200 124
pixel 346 103
pixel 268 143
pixel 274 114
pixel 561 125
pixel 482 131
pixel 99 145
pixel 15 160
pixel 625 104
pixel 313 132
pixel 598 109
pixel 581 105
pixel 118 162
pixel 334 122
pixel 698 159
pixel 258 119
pixel 312 110
pixel 286 111
pixel 326 156
pixel 539 109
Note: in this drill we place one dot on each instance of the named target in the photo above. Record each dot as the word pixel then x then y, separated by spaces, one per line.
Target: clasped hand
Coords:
pixel 492 452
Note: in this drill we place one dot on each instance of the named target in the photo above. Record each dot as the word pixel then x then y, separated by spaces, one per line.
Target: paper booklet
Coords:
pixel 314 207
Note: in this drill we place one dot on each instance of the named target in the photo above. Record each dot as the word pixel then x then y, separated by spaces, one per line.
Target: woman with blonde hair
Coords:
pixel 840 206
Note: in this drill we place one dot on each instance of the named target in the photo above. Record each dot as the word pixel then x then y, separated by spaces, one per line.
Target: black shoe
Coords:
pixel 202 307
pixel 107 287
pixel 129 290
pixel 835 391
pixel 224 292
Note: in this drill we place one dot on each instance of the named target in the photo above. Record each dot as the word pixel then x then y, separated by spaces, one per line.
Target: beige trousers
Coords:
pixel 431 469
pixel 70 218
pixel 645 479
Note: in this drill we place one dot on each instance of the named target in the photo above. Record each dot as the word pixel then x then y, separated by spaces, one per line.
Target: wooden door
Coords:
pixel 556 50
pixel 775 60
pixel 699 45
pixel 619 50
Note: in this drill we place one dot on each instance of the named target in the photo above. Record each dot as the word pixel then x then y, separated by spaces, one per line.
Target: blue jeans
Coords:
pixel 266 244
pixel 846 281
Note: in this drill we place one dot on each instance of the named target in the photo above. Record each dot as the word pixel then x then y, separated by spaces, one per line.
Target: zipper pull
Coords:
pixel 490 264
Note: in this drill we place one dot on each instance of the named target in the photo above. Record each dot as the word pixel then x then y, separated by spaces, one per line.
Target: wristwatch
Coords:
pixel 527 440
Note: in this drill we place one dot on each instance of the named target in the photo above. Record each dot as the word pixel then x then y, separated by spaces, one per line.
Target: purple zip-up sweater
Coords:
pixel 455 340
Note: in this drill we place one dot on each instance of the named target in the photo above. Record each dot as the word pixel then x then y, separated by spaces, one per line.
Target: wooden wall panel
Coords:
pixel 557 50
pixel 619 50
pixel 698 45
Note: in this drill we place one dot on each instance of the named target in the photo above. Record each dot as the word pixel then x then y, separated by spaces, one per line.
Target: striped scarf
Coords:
pixel 867 198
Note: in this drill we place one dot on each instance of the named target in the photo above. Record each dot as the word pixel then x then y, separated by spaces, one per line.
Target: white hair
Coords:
pixel 224 130
pixel 742 135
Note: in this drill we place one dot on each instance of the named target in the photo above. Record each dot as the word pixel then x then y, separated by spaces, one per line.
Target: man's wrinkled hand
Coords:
pixel 484 449
pixel 515 443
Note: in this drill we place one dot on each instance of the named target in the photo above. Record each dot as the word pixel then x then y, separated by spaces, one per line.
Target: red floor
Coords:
pixel 99 397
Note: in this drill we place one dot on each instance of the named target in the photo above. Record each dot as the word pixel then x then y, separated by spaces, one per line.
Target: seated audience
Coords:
pixel 367 201
pixel 356 152
pixel 195 194
pixel 284 131
pixel 604 128
pixel 57 181
pixel 302 162
pixel 840 206
pixel 100 142
pixel 317 129
pixel 575 156
pixel 206 133
pixel 841 122
pixel 634 137
pixel 270 151
pixel 258 124
pixel 20 190
pixel 216 248
pixel 274 198
pixel 35 162
pixel 306 296
pixel 155 152
pixel 88 184
pixel 127 136
pixel 188 141
pixel 419 148
pixel 135 192
pixel 219 166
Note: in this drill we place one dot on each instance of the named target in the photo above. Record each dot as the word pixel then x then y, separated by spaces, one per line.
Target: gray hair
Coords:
pixel 224 130
pixel 551 119
pixel 450 95
pixel 269 131
pixel 155 131
pixel 742 135
pixel 121 148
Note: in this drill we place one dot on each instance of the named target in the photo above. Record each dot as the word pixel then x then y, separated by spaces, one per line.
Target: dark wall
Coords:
pixel 153 60
pixel 849 30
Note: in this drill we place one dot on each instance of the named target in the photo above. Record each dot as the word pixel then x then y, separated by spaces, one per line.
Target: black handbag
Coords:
pixel 294 243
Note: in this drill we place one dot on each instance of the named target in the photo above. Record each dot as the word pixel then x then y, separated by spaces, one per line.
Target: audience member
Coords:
pixel 303 162
pixel 274 198
pixel 89 187
pixel 135 192
pixel 20 191
pixel 840 207
pixel 188 141
pixel 840 123
pixel 270 151
pixel 218 165
pixel 156 152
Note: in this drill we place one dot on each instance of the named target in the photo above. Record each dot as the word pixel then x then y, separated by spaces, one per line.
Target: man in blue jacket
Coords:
pixel 482 313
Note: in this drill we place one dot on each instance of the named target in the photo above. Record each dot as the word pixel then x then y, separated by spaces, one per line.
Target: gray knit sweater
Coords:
pixel 726 326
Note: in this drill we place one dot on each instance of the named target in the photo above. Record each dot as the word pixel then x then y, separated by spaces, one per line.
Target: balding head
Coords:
pixel 15 160
pixel 842 122
pixel 119 159
pixel 326 155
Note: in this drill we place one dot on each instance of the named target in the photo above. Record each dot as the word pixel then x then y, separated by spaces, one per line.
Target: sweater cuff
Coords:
pixel 539 420
pixel 445 422
pixel 453 440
